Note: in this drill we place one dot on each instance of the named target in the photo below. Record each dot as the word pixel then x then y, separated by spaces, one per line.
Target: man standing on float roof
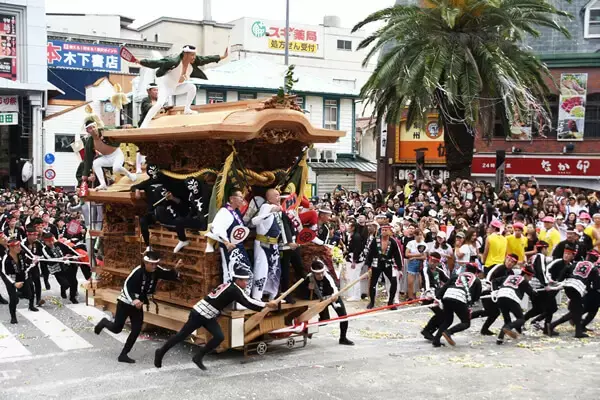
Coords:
pixel 172 74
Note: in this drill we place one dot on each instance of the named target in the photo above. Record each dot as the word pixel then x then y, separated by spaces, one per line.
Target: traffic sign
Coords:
pixel 49 158
pixel 50 174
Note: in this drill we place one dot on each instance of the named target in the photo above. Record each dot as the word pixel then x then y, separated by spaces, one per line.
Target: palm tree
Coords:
pixel 463 59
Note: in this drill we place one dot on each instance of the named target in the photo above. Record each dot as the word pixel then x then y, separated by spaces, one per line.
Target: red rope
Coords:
pixel 405 303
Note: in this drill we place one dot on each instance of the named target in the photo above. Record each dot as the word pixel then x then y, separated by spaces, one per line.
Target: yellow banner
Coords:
pixel 432 132
pixel 301 47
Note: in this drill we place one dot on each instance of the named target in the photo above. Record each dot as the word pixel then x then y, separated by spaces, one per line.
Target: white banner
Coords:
pixel 9 103
pixel 383 140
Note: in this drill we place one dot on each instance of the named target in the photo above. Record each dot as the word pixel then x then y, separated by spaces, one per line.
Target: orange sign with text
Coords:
pixel 430 140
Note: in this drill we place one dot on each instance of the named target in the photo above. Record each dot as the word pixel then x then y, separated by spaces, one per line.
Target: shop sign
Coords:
pixel 83 56
pixel 539 166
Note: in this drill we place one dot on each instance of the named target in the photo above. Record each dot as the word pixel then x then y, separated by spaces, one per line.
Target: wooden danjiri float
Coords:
pixel 267 138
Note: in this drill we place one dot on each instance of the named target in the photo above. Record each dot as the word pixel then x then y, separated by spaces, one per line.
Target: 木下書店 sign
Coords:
pixel 83 56
pixel 538 166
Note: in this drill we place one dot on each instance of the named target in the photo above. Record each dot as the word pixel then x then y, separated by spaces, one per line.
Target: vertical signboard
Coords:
pixel 571 106
pixel 500 169
pixel 8 46
pixel 383 140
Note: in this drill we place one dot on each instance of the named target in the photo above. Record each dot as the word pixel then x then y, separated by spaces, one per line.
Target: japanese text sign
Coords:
pixel 270 36
pixel 539 166
pixel 83 56
pixel 8 46
pixel 9 103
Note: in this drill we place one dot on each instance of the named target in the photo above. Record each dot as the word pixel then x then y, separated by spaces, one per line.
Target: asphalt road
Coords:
pixel 56 355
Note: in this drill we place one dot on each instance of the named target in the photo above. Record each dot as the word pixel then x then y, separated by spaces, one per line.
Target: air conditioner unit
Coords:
pixel 314 154
pixel 330 155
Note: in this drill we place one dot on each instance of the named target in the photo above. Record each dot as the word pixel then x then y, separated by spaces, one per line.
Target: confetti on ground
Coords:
pixel 369 334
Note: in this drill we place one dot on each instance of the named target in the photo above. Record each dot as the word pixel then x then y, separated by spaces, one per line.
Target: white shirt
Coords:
pixel 466 251
pixel 413 247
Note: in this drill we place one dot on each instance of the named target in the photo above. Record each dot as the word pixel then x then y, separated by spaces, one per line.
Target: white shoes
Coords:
pixel 189 111
pixel 101 187
pixel 132 177
pixel 180 246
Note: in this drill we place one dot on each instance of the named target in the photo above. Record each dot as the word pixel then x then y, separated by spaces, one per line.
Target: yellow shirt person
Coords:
pixel 549 234
pixel 495 246
pixel 517 245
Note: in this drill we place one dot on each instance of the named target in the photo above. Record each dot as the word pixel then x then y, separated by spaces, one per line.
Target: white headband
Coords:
pixel 147 259
pixel 189 49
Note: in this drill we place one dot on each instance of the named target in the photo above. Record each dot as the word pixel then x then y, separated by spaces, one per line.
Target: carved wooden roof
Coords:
pixel 240 121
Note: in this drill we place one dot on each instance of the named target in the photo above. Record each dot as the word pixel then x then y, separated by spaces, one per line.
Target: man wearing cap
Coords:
pixel 172 74
pixel 267 269
pixel 16 277
pixel 495 247
pixel 517 242
pixel 320 285
pixel 64 272
pixel 111 155
pixel 494 278
pixel 384 257
pixel 549 233
pixel 509 298
pixel 139 286
pixel 205 312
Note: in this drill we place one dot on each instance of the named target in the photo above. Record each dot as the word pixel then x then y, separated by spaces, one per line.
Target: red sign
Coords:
pixel 539 166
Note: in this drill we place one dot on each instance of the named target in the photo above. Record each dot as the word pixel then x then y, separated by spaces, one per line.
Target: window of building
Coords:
pixel 62 142
pixel 349 83
pixel 11 64
pixel 134 70
pixel 344 44
pixel 592 116
pixel 330 115
pixel 300 102
pixel 367 186
pixel 246 96
pixel 592 20
pixel 156 37
pixel 215 97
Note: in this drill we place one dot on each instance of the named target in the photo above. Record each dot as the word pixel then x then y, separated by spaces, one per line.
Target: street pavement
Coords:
pixel 54 354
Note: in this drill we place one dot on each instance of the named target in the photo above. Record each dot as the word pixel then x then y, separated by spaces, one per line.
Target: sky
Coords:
pixel 301 11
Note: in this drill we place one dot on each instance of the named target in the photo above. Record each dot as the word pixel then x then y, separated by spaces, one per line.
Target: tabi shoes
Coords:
pixel 158 357
pixel 74 300
pixel 437 343
pixel 346 342
pixel 98 328
pixel 47 284
pixel 101 187
pixel 581 335
pixel 549 330
pixel 290 300
pixel 180 246
pixel 63 294
pixel 3 300
pixel 124 358
pixel 198 361
pixel 34 309
pixel 190 112
pixel 427 335
pixel 487 332
pixel 370 306
pixel 13 320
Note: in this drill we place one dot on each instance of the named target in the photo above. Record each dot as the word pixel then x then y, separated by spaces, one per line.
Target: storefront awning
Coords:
pixel 359 165
pixel 15 86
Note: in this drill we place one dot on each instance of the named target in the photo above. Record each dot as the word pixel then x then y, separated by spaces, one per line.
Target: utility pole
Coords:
pixel 287 40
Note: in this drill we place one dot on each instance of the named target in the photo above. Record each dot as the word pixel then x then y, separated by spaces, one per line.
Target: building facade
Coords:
pixel 561 151
pixel 328 51
pixel 23 88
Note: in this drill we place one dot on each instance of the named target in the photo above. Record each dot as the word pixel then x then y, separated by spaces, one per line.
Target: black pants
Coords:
pixel 197 321
pixel 136 317
pixel 435 321
pixel 591 304
pixel 538 305
pixel 159 215
pixel 36 279
pixel 341 311
pixel 67 279
pixel 45 274
pixel 86 270
pixel 461 310
pixel 188 222
pixel 508 306
pixel 575 310
pixel 293 258
pixel 13 297
pixel 375 274
pixel 550 307
pixel 490 310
